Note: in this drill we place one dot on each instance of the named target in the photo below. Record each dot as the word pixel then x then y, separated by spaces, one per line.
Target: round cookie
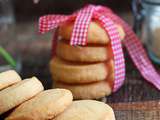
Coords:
pixel 77 73
pixel 87 110
pixel 44 106
pixel 18 93
pixel 96 34
pixel 8 78
pixel 83 54
pixel 94 90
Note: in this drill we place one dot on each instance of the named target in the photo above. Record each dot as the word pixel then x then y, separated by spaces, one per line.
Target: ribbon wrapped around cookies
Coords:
pixel 87 52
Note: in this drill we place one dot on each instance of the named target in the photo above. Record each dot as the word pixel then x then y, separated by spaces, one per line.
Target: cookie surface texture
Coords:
pixel 87 110
pixel 96 34
pixel 8 78
pixel 82 53
pixel 44 106
pixel 77 73
pixel 19 93
pixel 86 91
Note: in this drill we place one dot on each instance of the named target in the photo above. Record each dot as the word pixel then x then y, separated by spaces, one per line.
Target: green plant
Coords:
pixel 7 57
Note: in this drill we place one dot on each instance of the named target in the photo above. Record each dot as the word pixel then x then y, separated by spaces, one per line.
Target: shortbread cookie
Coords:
pixel 18 93
pixel 83 54
pixel 44 106
pixel 86 91
pixel 96 34
pixel 77 73
pixel 8 78
pixel 87 110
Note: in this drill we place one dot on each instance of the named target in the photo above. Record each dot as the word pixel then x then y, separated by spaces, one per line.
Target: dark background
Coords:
pixel 26 10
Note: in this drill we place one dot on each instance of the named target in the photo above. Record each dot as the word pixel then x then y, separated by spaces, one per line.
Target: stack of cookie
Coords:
pixel 26 100
pixel 87 71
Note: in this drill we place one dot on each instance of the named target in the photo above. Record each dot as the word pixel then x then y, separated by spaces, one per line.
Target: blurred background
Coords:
pixel 25 50
pixel 26 10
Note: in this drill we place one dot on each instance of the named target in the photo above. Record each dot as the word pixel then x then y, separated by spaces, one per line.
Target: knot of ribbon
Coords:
pixel 107 19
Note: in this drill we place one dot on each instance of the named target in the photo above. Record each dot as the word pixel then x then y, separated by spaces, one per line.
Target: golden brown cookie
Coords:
pixel 83 54
pixel 44 106
pixel 96 34
pixel 86 91
pixel 77 73
pixel 8 78
pixel 87 110
pixel 18 93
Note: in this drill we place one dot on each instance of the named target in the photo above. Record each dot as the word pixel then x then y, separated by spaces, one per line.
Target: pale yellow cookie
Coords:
pixel 83 53
pixel 77 73
pixel 8 78
pixel 44 106
pixel 87 110
pixel 19 93
pixel 86 91
pixel 96 34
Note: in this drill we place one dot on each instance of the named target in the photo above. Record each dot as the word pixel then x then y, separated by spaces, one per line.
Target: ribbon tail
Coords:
pixel 49 22
pixel 54 42
pixel 138 54
pixel 140 59
pixel 119 62
pixel 136 51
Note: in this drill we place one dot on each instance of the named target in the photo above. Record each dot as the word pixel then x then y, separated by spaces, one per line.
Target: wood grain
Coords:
pixel 139 106
pixel 137 115
pixel 137 110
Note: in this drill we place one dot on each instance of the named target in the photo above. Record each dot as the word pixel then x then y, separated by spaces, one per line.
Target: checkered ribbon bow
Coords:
pixel 107 19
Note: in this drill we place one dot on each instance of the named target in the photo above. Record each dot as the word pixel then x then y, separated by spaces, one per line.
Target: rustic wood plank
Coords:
pixel 137 110
pixel 139 106
pixel 137 115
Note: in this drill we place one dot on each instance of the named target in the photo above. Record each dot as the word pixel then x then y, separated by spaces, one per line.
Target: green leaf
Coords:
pixel 7 57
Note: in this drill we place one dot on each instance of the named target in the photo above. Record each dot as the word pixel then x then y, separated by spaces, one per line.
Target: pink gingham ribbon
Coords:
pixel 107 19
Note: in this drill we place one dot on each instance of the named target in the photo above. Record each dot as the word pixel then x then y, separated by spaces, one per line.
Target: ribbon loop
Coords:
pixel 49 22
